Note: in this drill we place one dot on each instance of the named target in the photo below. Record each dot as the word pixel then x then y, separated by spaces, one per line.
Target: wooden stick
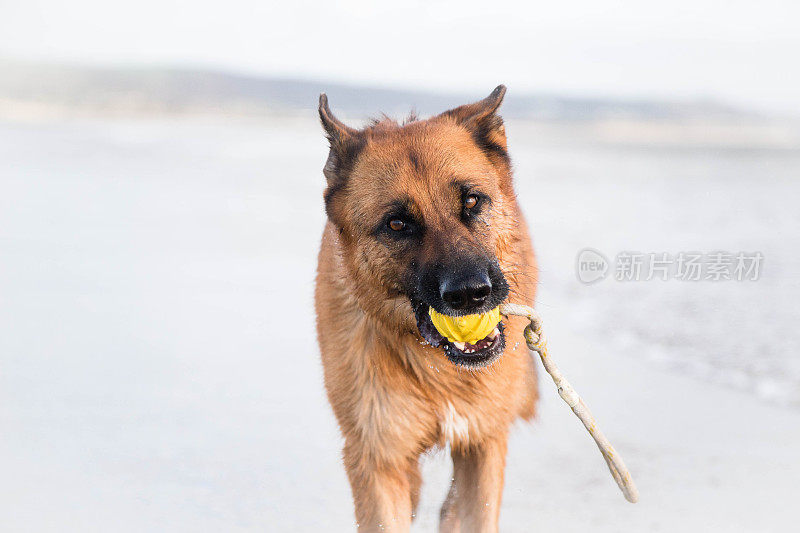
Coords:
pixel 537 342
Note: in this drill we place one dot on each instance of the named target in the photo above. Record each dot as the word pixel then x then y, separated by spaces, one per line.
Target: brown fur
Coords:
pixel 393 396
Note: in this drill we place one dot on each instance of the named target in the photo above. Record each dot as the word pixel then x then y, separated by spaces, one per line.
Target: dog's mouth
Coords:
pixel 477 354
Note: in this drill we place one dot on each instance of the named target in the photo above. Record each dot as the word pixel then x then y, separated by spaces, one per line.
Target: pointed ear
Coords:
pixel 337 131
pixel 345 143
pixel 486 126
pixel 485 107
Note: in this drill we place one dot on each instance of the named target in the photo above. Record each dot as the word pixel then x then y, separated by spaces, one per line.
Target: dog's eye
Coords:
pixel 471 201
pixel 397 224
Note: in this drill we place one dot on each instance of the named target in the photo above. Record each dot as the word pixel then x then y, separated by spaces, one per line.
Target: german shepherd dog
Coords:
pixel 423 215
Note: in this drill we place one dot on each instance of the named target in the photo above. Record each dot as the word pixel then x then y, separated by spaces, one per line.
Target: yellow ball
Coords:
pixel 469 328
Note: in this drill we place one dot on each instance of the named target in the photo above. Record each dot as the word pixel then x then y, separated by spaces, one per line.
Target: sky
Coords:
pixel 739 52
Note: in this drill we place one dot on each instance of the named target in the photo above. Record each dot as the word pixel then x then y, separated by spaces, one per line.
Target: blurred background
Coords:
pixel 161 209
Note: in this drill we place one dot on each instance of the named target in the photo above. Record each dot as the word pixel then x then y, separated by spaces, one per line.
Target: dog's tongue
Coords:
pixel 470 328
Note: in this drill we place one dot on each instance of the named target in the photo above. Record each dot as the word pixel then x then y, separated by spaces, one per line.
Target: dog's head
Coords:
pixel 424 212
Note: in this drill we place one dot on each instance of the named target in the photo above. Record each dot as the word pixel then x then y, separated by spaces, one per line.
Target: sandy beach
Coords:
pixel 160 369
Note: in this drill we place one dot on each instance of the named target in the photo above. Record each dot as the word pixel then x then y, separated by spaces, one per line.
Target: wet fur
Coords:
pixel 395 397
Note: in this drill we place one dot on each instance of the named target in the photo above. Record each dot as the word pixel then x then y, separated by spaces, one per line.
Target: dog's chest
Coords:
pixel 392 417
pixel 425 402
pixel 454 427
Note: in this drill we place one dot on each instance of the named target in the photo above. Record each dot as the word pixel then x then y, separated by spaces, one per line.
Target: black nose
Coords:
pixel 466 292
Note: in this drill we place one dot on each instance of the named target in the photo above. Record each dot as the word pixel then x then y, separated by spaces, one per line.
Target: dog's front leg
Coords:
pixel 473 504
pixel 382 491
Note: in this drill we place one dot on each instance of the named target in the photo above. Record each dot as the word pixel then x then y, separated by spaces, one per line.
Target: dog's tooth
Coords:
pixel 460 345
pixel 493 335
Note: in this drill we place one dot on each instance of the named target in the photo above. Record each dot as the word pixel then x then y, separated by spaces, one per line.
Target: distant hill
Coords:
pixel 156 90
